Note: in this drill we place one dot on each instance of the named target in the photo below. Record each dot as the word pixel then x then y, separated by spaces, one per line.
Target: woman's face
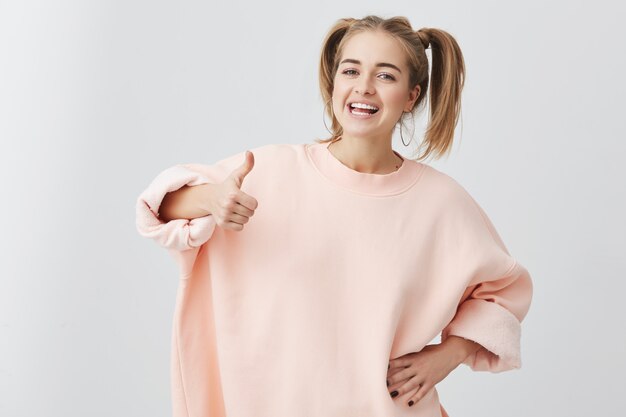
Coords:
pixel 372 70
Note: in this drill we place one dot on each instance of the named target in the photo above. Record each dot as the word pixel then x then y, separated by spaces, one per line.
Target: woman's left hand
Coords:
pixel 420 371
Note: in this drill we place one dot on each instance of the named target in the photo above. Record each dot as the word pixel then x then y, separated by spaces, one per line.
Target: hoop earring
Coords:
pixel 401 123
pixel 324 114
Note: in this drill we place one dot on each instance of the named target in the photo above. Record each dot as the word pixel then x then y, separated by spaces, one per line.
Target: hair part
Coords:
pixel 446 83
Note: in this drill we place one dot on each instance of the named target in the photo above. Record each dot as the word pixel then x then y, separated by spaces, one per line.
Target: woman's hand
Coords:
pixel 230 206
pixel 421 371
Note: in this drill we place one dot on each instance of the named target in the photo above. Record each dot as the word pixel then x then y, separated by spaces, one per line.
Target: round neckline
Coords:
pixel 362 182
pixel 396 153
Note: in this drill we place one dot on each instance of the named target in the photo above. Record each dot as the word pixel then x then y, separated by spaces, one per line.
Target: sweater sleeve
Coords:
pixel 181 237
pixel 496 298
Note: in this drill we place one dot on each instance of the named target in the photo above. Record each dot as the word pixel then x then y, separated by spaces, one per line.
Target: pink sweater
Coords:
pixel 337 272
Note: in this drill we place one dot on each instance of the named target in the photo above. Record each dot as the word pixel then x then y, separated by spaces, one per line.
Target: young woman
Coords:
pixel 313 276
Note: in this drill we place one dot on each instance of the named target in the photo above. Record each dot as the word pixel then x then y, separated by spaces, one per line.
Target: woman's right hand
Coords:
pixel 231 207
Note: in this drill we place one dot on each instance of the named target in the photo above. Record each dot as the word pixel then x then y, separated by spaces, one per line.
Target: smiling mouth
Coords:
pixel 360 111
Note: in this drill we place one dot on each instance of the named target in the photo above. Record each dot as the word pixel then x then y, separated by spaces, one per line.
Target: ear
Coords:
pixel 413 95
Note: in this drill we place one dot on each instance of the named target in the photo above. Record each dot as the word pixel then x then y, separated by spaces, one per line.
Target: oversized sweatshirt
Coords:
pixel 336 273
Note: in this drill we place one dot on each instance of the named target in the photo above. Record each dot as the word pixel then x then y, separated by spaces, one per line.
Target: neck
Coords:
pixel 370 157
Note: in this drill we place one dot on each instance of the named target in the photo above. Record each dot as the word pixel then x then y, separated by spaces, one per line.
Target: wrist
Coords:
pixel 205 198
pixel 460 347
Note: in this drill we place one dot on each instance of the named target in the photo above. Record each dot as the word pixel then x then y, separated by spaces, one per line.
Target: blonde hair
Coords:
pixel 448 74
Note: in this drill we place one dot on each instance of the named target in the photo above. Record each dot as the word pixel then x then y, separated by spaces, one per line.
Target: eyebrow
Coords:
pixel 380 64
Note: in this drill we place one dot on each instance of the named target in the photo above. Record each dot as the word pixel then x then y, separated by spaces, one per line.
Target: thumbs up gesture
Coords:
pixel 231 207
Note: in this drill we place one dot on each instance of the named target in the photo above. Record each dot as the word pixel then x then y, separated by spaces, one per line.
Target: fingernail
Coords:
pixel 393 394
pixel 411 403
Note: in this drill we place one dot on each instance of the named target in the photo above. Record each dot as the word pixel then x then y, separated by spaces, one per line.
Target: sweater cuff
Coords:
pixel 176 234
pixel 492 326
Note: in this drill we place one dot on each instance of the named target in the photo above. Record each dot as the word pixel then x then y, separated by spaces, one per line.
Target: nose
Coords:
pixel 364 85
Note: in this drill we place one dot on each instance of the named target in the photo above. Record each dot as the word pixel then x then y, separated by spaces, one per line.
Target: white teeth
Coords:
pixel 363 106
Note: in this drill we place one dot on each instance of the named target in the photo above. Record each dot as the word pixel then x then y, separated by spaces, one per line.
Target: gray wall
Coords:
pixel 97 97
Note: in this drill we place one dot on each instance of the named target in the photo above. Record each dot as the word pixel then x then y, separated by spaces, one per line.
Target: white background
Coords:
pixel 98 97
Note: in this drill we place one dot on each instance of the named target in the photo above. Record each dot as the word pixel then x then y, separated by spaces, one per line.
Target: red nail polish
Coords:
pixel 411 403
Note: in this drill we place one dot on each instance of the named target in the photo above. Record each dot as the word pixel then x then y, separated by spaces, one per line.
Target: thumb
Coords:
pixel 240 173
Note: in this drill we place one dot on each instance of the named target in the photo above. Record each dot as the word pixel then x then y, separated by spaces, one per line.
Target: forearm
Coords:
pixel 460 348
pixel 185 203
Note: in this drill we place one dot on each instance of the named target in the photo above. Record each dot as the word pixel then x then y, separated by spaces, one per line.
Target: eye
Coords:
pixel 391 77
